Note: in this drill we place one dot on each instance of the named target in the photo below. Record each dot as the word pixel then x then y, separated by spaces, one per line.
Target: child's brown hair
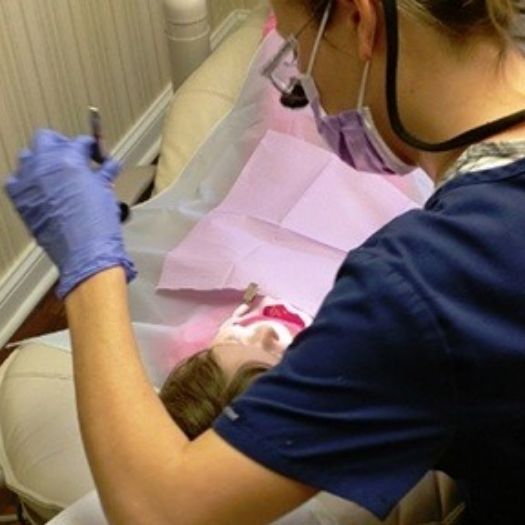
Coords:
pixel 197 390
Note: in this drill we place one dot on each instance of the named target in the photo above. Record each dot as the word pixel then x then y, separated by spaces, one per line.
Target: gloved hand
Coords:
pixel 69 207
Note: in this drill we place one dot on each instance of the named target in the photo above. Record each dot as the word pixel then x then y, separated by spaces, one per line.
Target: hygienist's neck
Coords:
pixel 444 91
pixel 438 165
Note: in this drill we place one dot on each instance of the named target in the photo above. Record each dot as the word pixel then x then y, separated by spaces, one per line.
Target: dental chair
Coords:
pixel 41 454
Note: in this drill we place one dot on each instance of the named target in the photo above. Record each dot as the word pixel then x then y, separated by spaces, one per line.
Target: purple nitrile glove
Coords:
pixel 69 207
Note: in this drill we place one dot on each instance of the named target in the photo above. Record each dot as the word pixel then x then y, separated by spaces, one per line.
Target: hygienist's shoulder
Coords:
pixel 461 255
pixel 473 215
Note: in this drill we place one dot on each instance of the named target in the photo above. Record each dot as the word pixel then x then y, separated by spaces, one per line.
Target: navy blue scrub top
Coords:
pixel 415 361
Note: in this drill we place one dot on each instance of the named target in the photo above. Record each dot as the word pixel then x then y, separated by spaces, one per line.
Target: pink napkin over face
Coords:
pixel 287 224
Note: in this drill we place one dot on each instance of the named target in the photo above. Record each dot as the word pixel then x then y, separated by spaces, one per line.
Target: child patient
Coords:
pixel 247 344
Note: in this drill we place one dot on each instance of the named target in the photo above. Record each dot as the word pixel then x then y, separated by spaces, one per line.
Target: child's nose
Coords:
pixel 265 336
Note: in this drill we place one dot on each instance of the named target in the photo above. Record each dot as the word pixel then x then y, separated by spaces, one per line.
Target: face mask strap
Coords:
pixel 464 139
pixel 362 87
pixel 320 33
pixel 297 98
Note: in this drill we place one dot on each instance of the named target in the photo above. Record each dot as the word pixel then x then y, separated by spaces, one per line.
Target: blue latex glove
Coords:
pixel 69 207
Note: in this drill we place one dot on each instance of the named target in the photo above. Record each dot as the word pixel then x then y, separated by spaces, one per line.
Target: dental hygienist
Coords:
pixel 416 360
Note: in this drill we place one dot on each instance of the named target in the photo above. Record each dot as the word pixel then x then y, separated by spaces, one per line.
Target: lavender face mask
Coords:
pixel 353 136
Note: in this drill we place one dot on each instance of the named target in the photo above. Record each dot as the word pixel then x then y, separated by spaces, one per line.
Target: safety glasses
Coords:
pixel 282 69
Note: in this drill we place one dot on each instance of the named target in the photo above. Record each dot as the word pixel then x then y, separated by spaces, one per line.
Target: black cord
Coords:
pixel 464 139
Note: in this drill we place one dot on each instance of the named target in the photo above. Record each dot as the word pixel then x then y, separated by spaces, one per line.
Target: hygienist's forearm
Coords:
pixel 126 431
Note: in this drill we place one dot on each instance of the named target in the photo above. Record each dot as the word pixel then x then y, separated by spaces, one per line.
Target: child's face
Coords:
pixel 262 345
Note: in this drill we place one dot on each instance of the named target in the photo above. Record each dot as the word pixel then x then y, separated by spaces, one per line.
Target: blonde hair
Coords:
pixel 197 390
pixel 461 18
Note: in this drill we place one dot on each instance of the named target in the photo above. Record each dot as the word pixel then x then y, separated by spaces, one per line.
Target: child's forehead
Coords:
pixel 230 356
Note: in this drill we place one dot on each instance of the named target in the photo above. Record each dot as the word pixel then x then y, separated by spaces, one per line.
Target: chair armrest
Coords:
pixel 133 182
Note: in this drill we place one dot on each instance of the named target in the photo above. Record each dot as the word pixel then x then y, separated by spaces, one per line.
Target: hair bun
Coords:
pixel 517 24
pixel 504 15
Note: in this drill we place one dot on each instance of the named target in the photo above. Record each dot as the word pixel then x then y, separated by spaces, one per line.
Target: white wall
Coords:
pixel 59 56
pixel 56 58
